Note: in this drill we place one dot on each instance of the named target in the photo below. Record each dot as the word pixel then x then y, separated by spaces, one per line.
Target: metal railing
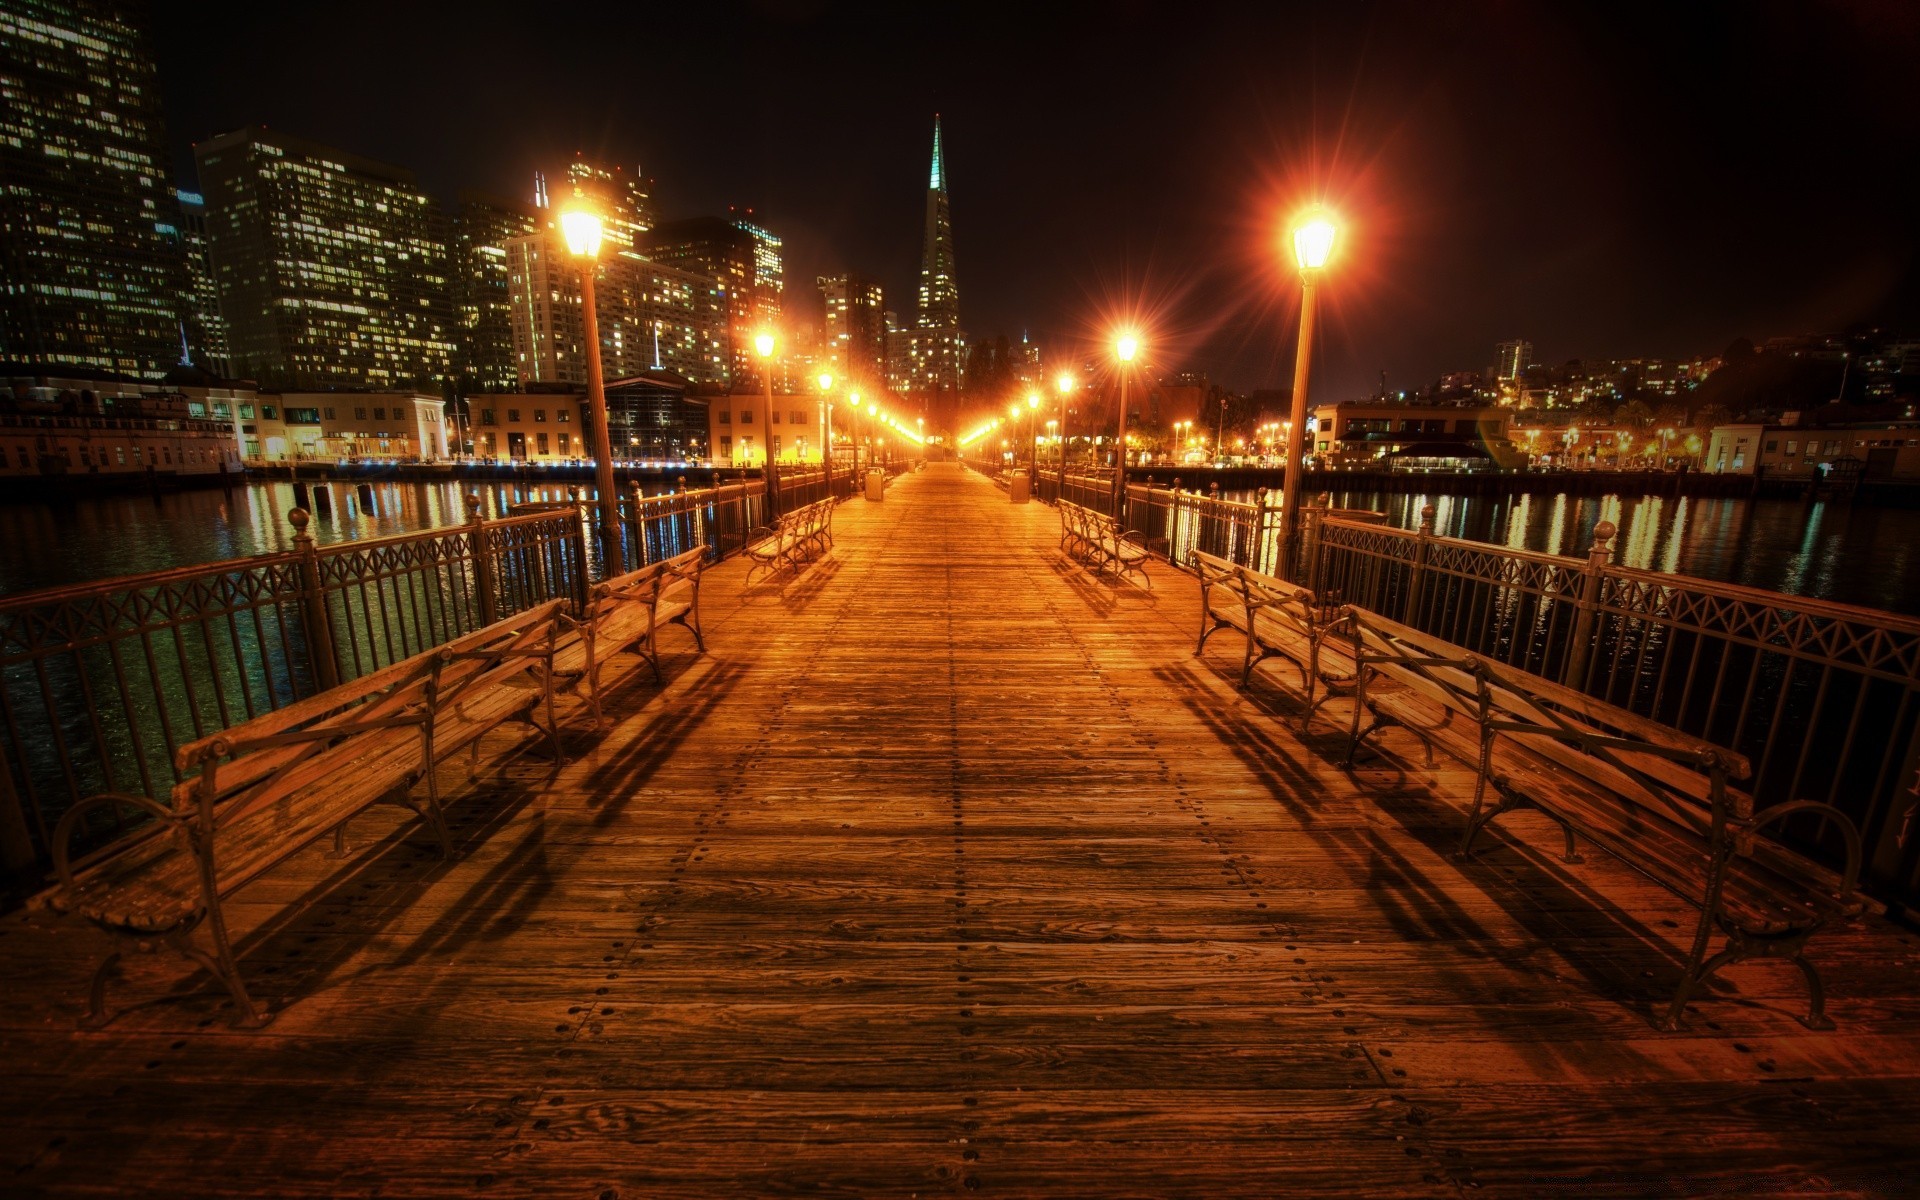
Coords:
pixel 1823 698
pixel 100 682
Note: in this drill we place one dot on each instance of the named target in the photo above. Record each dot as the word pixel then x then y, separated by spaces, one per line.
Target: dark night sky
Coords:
pixel 1604 180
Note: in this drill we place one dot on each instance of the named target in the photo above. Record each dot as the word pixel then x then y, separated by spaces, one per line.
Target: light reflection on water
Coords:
pixel 54 543
pixel 1855 554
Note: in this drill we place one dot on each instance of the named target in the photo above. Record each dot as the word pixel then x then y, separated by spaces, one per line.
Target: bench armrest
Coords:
pixel 1850 879
pixel 63 832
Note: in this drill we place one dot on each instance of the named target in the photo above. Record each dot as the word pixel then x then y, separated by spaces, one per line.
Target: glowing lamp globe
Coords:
pixel 1126 347
pixel 1066 384
pixel 1313 243
pixel 1033 399
pixel 826 381
pixel 581 230
pixel 763 342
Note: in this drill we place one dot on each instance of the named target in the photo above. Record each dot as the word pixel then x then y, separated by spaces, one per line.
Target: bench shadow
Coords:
pixel 801 590
pixel 1417 902
pixel 618 778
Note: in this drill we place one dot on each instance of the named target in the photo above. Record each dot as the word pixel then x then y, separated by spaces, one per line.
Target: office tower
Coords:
pixel 743 259
pixel 482 298
pixel 936 347
pixel 1511 359
pixel 91 272
pixel 206 330
pixel 856 326
pixel 623 200
pixel 651 316
pixel 332 268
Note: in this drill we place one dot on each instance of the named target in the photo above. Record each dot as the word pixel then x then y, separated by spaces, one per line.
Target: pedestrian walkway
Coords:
pixel 951 869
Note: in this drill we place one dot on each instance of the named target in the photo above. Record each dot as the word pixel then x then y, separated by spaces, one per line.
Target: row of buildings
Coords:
pixel 302 266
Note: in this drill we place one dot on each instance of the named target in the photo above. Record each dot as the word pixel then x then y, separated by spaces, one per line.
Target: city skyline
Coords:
pixel 1576 219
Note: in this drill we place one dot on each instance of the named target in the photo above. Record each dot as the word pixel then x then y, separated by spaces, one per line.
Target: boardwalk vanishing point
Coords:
pixel 950 869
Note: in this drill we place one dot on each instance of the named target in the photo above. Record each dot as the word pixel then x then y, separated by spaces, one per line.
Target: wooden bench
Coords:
pixel 1096 540
pixel 252 796
pixel 627 613
pixel 793 539
pixel 1659 800
pixel 1280 620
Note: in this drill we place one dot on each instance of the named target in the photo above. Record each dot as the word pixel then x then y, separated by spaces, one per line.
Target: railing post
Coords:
pixel 16 841
pixel 1257 553
pixel 577 535
pixel 482 561
pixel 1587 607
pixel 1422 547
pixel 313 605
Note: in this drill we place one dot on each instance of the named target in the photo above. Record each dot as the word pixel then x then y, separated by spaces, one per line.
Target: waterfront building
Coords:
pixel 482 296
pixel 656 417
pixel 743 259
pixel 1876 450
pixel 79 424
pixel 651 316
pixel 745 433
pixel 1381 432
pixel 548 426
pixel 332 268
pixel 856 326
pixel 206 329
pixel 298 427
pixel 91 272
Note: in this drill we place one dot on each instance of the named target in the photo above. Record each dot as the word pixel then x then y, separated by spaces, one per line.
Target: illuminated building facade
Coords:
pixel 934 351
pixel 651 316
pixel 623 199
pixel 1511 359
pixel 856 326
pixel 482 297
pixel 206 329
pixel 743 259
pixel 332 269
pixel 90 267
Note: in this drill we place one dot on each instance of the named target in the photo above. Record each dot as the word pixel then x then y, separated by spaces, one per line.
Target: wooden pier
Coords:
pixel 951 870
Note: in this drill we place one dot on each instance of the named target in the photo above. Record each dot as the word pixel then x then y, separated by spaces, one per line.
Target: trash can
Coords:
pixel 876 485
pixel 1019 488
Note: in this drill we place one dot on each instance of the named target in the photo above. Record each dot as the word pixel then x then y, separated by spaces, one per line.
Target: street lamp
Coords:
pixel 581 230
pixel 873 431
pixel 1065 384
pixel 1124 348
pixel 1033 440
pixel 826 430
pixel 763 345
pixel 1312 246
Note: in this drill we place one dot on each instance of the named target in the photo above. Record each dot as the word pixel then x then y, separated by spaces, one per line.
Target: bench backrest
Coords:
pixel 1288 603
pixel 1669 774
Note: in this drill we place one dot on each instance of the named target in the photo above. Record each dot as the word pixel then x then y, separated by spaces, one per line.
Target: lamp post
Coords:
pixel 1065 385
pixel 1312 244
pixel 1124 348
pixel 763 345
pixel 1033 440
pixel 826 430
pixel 581 229
pixel 873 432
pixel 1220 436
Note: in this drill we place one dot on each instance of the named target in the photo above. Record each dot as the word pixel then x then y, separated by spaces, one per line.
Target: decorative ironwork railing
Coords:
pixel 100 682
pixel 1823 698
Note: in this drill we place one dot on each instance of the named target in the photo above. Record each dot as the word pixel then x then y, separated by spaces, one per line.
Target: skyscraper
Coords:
pixel 332 268
pixel 651 316
pixel 91 272
pixel 743 258
pixel 482 299
pixel 206 329
pixel 856 326
pixel 624 201
pixel 936 347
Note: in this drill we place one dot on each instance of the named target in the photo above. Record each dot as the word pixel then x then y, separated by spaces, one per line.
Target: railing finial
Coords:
pixel 298 518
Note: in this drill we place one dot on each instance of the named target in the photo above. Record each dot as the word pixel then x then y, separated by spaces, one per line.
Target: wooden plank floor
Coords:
pixel 952 870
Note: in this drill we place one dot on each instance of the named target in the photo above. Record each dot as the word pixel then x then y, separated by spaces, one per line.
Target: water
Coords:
pixel 1856 554
pixel 63 542
pixel 1853 554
